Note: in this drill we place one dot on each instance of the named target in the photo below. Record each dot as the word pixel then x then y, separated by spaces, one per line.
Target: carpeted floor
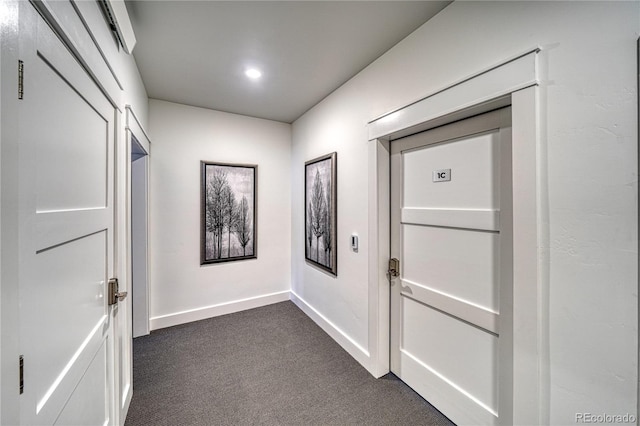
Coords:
pixel 267 366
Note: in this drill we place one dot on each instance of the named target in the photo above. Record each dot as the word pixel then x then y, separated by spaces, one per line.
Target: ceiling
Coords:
pixel 196 52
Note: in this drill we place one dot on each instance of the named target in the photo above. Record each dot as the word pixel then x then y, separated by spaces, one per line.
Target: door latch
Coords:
pixel 115 295
pixel 394 268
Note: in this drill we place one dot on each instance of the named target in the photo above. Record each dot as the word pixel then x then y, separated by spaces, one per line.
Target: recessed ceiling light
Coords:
pixel 253 73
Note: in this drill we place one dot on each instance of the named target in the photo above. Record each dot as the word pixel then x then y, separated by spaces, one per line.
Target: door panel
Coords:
pixel 67 129
pixel 78 269
pixel 466 357
pixel 474 180
pixel 458 262
pixel 88 404
pixel 450 316
pixel 443 394
pixel 72 159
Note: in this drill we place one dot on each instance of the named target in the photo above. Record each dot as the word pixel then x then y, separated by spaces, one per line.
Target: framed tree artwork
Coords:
pixel 228 229
pixel 320 212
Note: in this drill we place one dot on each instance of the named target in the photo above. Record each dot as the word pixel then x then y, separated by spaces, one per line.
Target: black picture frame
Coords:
pixel 320 212
pixel 229 212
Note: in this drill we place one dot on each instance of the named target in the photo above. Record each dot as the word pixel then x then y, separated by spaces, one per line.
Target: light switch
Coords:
pixel 354 243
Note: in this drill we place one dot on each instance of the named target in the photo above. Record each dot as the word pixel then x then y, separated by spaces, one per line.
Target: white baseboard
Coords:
pixel 197 314
pixel 348 344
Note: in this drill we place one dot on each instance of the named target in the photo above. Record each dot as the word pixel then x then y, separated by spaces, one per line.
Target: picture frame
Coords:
pixel 228 219
pixel 320 212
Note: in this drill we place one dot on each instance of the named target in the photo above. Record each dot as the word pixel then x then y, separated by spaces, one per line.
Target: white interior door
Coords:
pixel 451 302
pixel 67 130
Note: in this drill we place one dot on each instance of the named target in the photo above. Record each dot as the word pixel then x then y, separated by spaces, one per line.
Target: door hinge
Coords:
pixel 20 79
pixel 21 374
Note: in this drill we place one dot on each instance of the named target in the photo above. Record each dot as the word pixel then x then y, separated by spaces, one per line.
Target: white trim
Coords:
pixel 479 411
pixel 489 220
pixel 93 19
pixel 351 346
pixel 127 396
pixel 379 246
pixel 76 36
pixel 514 82
pixel 10 22
pixel 481 316
pixel 488 85
pixel 527 287
pixel 135 127
pixel 123 24
pixel 122 347
pixel 198 314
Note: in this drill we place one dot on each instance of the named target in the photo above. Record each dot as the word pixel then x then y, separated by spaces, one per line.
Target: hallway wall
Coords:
pixel 587 183
pixel 180 289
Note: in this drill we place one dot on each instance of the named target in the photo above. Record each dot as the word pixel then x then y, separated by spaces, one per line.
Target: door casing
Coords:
pixel 138 241
pixel 512 82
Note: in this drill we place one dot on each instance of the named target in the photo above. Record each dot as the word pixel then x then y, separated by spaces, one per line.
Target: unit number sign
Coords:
pixel 443 175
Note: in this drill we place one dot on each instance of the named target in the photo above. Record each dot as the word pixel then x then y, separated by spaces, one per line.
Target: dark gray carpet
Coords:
pixel 269 366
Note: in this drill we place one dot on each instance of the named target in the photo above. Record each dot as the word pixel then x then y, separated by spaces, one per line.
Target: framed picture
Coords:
pixel 228 229
pixel 320 209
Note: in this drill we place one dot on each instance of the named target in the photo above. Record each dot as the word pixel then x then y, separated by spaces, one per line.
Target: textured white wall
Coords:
pixel 588 180
pixel 182 136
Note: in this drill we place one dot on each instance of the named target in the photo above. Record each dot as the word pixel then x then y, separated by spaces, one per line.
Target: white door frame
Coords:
pixel 134 129
pixel 513 82
pixel 9 214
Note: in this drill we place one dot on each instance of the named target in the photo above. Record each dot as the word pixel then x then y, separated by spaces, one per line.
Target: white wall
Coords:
pixel 588 182
pixel 180 289
pixel 135 94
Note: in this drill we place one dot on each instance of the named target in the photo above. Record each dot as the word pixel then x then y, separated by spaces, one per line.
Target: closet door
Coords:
pixel 66 192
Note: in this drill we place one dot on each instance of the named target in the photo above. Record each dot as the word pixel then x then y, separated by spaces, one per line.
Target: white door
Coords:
pixel 451 232
pixel 67 130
